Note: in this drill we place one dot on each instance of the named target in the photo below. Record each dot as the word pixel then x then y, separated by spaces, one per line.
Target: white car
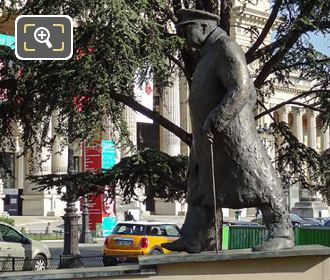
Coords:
pixel 18 252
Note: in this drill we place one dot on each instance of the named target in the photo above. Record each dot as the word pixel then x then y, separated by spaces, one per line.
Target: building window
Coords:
pixel 147 136
pixel 7 173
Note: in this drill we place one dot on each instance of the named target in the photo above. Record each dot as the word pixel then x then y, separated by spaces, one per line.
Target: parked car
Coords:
pixel 327 223
pixel 131 239
pixel 241 223
pixel 323 220
pixel 314 222
pixel 297 221
pixel 18 252
pixel 305 222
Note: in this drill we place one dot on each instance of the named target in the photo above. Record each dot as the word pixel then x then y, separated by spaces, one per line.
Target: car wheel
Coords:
pixel 109 261
pixel 156 252
pixel 39 263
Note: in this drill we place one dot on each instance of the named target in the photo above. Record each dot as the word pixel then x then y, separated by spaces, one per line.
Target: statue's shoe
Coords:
pixel 181 246
pixel 274 244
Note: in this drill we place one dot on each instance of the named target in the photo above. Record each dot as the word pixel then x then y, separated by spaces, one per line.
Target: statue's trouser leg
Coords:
pixel 276 218
pixel 194 230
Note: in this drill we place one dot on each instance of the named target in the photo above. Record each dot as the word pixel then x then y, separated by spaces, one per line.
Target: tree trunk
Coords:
pixel 71 250
pixel 225 11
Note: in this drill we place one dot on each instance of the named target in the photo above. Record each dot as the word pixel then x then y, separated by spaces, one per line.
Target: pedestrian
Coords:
pixel 130 217
pixel 257 212
pixel 47 230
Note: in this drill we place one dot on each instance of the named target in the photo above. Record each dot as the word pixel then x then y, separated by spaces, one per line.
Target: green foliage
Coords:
pixel 116 44
pixel 149 173
pixel 7 220
pixel 69 186
pixel 152 173
pixel 324 188
pixel 290 156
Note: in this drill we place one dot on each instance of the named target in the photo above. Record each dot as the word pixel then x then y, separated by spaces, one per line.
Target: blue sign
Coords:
pixel 108 159
pixel 7 40
pixel 108 154
pixel 108 224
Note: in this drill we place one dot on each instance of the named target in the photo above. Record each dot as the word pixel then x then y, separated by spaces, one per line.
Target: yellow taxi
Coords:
pixel 130 239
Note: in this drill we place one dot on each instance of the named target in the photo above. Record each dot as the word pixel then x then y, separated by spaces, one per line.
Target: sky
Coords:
pixel 321 43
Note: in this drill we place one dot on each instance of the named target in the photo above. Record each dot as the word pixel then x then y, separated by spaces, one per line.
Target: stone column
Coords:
pixel 298 124
pixel 2 196
pixel 284 114
pixel 169 143
pixel 19 165
pixel 184 112
pixel 59 152
pixel 311 128
pixel 46 166
pixel 267 120
pixel 129 115
pixel 298 131
pixel 59 165
pixel 170 109
pixel 36 203
pixel 325 139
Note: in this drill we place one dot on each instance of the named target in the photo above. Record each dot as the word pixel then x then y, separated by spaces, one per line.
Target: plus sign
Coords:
pixel 42 34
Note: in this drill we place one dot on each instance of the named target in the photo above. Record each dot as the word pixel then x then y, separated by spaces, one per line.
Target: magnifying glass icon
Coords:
pixel 41 35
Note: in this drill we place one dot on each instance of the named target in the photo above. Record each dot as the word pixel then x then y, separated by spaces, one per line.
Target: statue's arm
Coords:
pixel 234 76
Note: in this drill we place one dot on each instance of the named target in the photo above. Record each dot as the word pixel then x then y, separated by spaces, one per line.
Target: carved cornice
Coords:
pixel 288 89
pixel 251 16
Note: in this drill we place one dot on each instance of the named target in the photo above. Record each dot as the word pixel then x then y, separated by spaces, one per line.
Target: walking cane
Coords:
pixel 216 231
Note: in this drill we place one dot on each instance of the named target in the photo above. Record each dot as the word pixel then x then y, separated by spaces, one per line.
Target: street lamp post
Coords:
pixel 70 256
pixel 86 235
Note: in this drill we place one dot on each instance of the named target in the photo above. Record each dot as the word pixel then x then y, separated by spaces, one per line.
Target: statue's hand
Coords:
pixel 214 122
pixel 208 126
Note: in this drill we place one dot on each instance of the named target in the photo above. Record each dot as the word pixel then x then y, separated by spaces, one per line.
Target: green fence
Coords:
pixel 241 237
pixel 313 235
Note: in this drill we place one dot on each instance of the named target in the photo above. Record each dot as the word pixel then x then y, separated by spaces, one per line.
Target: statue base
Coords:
pixel 310 209
pixel 301 262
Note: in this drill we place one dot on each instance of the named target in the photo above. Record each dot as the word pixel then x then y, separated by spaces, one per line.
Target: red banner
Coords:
pixel 91 161
pixel 101 205
pixel 91 156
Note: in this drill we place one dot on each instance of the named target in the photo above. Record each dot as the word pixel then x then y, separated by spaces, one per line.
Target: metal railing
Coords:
pixel 23 264
pixel 234 237
pixel 241 237
pixel 312 235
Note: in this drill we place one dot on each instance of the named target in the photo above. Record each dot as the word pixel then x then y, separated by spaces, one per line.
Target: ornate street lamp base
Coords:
pixel 67 261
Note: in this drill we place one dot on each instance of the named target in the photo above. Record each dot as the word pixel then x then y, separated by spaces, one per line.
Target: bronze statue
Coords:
pixel 222 97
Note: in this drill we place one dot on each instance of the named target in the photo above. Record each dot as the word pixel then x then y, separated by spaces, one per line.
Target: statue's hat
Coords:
pixel 186 16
